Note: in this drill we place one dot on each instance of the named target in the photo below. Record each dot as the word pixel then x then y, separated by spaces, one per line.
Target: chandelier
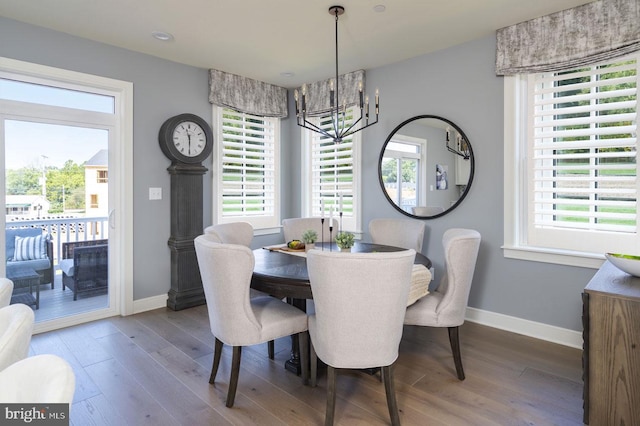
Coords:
pixel 341 129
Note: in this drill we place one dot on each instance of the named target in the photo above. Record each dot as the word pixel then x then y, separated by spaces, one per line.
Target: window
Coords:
pixel 94 201
pixel 402 172
pixel 247 179
pixel 333 174
pixel 574 161
pixel 103 176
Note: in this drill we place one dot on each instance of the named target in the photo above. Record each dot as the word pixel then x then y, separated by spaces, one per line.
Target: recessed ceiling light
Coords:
pixel 162 36
pixel 287 74
pixel 380 8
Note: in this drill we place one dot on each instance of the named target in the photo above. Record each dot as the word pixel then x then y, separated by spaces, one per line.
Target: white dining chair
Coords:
pixel 40 379
pixel 16 328
pixel 6 290
pixel 236 319
pixel 404 233
pixel 293 228
pixel 238 233
pixel 360 300
pixel 231 233
pixel 446 306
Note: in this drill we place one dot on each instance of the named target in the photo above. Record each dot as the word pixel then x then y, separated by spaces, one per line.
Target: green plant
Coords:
pixel 310 236
pixel 345 239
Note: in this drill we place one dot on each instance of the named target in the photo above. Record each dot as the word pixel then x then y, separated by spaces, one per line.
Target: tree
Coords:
pixel 61 183
pixel 24 181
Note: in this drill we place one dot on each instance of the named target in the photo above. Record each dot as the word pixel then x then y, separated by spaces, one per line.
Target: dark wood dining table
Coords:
pixel 285 275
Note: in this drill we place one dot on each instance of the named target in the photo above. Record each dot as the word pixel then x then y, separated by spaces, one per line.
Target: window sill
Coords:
pixel 558 257
pixel 267 231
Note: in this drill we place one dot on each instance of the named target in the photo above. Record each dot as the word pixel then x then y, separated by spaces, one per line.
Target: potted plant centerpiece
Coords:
pixel 345 240
pixel 309 237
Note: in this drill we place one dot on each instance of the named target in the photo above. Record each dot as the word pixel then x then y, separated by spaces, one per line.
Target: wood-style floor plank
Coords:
pixel 153 369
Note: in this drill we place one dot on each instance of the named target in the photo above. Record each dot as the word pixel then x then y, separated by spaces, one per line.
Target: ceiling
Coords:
pixel 284 42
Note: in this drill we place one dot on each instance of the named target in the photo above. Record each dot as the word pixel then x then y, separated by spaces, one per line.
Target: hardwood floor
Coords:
pixel 153 369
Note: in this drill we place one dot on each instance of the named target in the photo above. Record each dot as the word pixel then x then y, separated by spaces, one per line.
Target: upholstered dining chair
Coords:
pixel 6 289
pixel 445 307
pixel 360 300
pixel 16 328
pixel 235 318
pixel 238 233
pixel 38 379
pixel 405 233
pixel 293 228
pixel 231 233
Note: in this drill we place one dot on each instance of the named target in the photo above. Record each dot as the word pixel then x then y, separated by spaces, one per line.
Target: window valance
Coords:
pixel 318 98
pixel 246 95
pixel 583 35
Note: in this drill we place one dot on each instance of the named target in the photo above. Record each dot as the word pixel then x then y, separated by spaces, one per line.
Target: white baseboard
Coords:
pixel 537 330
pixel 550 333
pixel 150 303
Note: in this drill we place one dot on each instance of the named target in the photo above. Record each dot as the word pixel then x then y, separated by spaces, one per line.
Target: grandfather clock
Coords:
pixel 186 140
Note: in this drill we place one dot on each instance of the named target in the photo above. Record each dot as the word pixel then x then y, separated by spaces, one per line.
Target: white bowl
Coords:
pixel 627 263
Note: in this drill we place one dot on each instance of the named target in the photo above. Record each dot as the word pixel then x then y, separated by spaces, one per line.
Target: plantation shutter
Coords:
pixel 248 165
pixel 583 160
pixel 332 171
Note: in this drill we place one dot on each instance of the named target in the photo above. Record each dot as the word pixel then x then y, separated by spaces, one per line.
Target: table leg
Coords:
pixel 293 363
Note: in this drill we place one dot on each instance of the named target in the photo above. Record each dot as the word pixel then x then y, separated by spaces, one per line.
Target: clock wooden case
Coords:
pixel 186 140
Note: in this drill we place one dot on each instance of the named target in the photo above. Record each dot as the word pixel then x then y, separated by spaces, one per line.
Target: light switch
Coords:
pixel 155 193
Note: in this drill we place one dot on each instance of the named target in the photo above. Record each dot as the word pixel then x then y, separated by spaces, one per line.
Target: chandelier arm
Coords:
pixel 359 129
pixel 348 131
pixel 309 125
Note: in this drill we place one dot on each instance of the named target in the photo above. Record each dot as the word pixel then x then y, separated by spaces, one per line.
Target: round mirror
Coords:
pixel 426 167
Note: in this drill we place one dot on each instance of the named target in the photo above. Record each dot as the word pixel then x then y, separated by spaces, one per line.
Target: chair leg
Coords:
pixel 235 372
pixel 390 390
pixel 455 348
pixel 303 340
pixel 331 396
pixel 217 353
pixel 270 349
pixel 313 359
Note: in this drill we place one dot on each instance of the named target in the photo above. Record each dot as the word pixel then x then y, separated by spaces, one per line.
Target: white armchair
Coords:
pixel 16 328
pixel 360 300
pixel 446 306
pixel 231 233
pixel 235 318
pixel 6 289
pixel 293 228
pixel 405 233
pixel 38 379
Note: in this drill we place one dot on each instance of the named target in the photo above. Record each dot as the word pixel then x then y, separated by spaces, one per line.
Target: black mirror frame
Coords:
pixel 471 172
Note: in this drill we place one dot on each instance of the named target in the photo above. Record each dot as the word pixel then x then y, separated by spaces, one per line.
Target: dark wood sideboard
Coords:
pixel 611 356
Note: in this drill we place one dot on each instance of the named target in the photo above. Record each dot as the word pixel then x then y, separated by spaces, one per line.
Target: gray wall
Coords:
pixel 458 84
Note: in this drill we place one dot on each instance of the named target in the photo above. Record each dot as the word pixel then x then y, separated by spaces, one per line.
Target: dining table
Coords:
pixel 283 274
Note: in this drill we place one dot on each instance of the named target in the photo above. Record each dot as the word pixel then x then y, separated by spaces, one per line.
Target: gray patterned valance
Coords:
pixel 317 98
pixel 586 34
pixel 247 95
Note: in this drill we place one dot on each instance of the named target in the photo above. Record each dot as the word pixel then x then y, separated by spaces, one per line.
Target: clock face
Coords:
pixel 189 139
pixel 186 138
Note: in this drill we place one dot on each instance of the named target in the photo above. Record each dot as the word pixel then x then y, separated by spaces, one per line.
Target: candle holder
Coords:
pixel 322 231
pixel 330 238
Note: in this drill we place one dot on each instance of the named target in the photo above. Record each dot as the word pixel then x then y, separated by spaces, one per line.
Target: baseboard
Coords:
pixel 150 303
pixel 537 330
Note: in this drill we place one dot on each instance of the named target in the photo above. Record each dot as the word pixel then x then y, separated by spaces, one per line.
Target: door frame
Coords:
pixel 120 178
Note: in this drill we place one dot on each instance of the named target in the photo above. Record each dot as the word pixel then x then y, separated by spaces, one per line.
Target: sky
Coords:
pixel 51 145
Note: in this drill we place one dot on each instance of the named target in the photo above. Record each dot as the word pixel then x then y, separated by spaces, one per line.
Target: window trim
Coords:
pixel 261 226
pixel 515 186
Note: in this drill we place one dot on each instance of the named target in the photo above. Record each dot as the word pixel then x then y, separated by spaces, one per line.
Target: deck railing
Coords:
pixel 63 230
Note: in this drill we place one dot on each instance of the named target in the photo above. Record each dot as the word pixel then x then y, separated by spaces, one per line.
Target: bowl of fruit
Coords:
pixel 295 245
pixel 626 262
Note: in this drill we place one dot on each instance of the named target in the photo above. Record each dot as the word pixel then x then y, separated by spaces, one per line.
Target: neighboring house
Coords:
pixel 96 181
pixel 26 206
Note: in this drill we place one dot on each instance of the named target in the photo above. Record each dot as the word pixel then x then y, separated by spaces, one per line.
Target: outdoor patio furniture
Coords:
pixel 35 250
pixel 25 281
pixel 85 266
